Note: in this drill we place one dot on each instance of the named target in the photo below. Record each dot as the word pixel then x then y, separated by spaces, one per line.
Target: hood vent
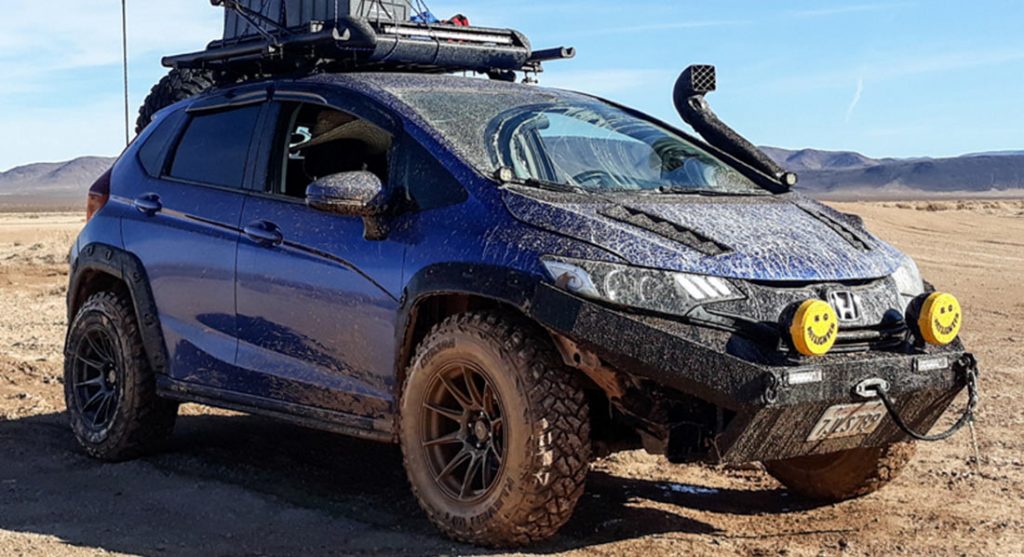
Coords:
pixel 841 229
pixel 670 230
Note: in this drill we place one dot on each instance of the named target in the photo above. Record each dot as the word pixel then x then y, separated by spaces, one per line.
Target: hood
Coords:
pixel 777 238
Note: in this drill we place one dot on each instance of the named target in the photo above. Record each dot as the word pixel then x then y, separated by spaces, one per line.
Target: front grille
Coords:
pixel 885 336
pixel 878 337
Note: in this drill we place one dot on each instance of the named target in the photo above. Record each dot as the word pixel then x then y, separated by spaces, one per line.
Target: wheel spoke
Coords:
pixel 450 439
pixel 488 399
pixel 485 469
pixel 96 421
pixel 94 398
pixel 467 481
pixel 455 462
pixel 494 451
pixel 92 363
pixel 460 396
pixel 101 352
pixel 474 394
pixel 94 382
pixel 454 415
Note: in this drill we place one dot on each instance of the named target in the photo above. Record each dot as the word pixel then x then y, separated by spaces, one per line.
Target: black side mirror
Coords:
pixel 354 194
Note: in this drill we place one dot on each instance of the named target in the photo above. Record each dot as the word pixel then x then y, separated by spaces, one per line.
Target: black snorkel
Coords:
pixel 693 84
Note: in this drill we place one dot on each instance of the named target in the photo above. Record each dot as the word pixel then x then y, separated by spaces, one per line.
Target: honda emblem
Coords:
pixel 846 304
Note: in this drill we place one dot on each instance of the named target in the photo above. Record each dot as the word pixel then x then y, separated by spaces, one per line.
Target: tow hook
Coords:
pixel 966 367
pixel 869 388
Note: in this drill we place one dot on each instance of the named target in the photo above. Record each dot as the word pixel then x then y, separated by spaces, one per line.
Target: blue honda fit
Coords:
pixel 507 281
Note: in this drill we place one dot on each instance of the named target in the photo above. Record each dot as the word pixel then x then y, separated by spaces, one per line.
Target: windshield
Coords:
pixel 574 141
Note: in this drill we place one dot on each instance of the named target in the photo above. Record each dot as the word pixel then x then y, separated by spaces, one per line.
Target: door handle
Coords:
pixel 264 233
pixel 148 204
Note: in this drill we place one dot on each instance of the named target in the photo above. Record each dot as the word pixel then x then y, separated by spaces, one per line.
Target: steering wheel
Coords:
pixel 598 177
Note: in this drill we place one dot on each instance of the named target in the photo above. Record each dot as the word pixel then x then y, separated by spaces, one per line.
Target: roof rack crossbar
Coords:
pixel 357 43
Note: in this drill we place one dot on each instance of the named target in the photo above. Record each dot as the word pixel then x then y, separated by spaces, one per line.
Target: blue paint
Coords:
pixel 317 319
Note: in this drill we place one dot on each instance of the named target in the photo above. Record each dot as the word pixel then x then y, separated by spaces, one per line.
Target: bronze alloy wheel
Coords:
pixel 495 431
pixel 463 434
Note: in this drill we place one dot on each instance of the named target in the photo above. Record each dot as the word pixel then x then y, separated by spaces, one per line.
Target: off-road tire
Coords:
pixel 176 86
pixel 142 420
pixel 843 475
pixel 547 448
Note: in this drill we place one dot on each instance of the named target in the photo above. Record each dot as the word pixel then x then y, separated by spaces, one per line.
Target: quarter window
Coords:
pixel 153 154
pixel 215 147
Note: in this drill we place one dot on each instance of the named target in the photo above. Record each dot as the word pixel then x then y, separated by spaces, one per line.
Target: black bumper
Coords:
pixel 771 416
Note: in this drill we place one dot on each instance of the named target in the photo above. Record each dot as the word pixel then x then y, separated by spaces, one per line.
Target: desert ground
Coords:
pixel 230 484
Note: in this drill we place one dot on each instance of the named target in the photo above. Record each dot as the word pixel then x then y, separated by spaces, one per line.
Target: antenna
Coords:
pixel 124 51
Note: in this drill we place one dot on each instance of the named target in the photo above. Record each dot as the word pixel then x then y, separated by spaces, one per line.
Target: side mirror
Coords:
pixel 355 194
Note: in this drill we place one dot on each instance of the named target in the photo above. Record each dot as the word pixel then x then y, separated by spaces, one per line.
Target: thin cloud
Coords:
pixel 856 8
pixel 856 99
pixel 674 26
pixel 889 67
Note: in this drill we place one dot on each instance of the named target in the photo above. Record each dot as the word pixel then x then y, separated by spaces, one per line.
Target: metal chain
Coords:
pixel 974 444
pixel 971 372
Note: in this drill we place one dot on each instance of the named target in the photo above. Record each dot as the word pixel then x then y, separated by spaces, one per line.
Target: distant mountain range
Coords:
pixel 825 174
pixel 51 184
pixel 849 175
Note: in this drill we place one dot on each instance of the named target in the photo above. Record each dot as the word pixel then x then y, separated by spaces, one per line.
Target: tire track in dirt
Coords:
pixel 237 485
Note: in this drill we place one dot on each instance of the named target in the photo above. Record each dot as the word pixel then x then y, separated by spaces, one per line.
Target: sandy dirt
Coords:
pixel 230 484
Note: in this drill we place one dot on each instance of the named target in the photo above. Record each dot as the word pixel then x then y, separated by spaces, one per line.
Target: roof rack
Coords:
pixel 271 36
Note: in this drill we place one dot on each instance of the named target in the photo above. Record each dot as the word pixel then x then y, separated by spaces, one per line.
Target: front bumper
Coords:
pixel 771 414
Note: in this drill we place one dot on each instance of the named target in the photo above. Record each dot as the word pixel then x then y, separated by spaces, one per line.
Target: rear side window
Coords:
pixel 153 154
pixel 215 147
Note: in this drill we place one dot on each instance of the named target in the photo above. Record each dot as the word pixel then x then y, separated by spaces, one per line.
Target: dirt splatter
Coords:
pixel 229 484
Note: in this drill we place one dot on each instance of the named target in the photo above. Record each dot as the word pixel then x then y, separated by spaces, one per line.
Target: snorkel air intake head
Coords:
pixel 695 82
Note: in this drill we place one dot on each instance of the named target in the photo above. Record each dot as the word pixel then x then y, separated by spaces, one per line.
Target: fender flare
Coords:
pixel 126 268
pixel 495 283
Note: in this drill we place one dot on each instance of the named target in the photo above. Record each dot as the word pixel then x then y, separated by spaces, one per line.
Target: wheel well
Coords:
pixel 91 282
pixel 432 310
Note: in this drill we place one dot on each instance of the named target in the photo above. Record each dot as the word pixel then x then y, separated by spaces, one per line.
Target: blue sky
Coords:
pixel 886 78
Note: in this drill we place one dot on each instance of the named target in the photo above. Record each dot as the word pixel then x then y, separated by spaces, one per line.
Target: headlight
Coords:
pixel 650 289
pixel 908 282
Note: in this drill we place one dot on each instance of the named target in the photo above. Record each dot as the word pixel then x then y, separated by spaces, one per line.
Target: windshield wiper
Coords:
pixel 548 185
pixel 680 190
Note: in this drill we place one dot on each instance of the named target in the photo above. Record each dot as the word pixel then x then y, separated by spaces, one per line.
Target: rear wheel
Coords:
pixel 842 475
pixel 176 86
pixel 494 430
pixel 109 386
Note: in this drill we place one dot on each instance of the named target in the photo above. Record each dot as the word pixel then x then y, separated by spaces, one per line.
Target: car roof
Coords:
pixel 399 84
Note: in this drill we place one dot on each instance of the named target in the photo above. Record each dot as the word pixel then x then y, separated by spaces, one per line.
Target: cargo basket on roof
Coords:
pixel 278 36
pixel 299 14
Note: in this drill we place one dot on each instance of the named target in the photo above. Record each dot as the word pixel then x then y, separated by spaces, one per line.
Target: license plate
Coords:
pixel 848 420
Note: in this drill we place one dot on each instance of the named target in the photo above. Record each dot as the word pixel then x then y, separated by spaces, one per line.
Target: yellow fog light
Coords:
pixel 814 328
pixel 940 318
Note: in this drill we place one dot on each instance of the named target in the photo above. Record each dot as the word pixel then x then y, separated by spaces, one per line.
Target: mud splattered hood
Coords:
pixel 778 238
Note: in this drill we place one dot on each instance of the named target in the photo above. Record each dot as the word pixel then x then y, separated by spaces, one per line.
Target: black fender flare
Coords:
pixel 498 284
pixel 126 268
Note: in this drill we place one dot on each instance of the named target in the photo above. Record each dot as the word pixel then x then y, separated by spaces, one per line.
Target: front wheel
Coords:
pixel 842 475
pixel 494 430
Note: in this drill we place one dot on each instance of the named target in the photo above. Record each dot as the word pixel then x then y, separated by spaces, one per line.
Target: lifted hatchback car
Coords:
pixel 507 280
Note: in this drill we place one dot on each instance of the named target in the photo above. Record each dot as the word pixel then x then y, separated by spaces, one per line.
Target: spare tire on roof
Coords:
pixel 176 86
